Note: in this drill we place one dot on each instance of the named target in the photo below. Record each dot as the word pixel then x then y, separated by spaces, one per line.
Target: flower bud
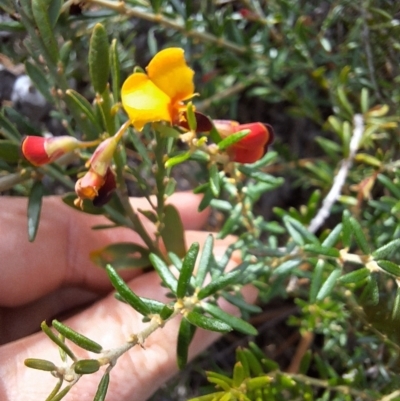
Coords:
pixel 250 148
pixel 39 150
pixel 102 156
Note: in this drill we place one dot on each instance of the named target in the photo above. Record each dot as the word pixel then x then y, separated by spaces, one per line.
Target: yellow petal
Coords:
pixel 169 71
pixel 144 102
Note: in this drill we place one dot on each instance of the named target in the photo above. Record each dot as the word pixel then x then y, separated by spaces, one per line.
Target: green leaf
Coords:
pixel 347 231
pixel 322 250
pixel 359 235
pixel 65 53
pixel 178 159
pixel 219 283
pixel 122 255
pixel 191 118
pixel 34 209
pixel 102 388
pixel 77 338
pixel 40 364
pixel 187 270
pixel 298 232
pixel 9 151
pixel 8 130
pixel 232 139
pixel 207 323
pixel 316 280
pixel 205 259
pixel 333 237
pixel 85 107
pixel 41 15
pixel 233 321
pixel 163 271
pixel 388 183
pixel 328 285
pixel 126 293
pixel 86 366
pixel 355 276
pixel 58 341
pixel 254 364
pixel 240 303
pixel 173 233
pixel 54 11
pixel 389 267
pixel 185 336
pixel 99 60
pixel 115 69
pixel 238 374
pixel 40 80
pixel 386 250
pixel 287 266
pixel 214 180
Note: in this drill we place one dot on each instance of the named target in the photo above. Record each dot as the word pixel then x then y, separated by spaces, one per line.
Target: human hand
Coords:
pixel 54 276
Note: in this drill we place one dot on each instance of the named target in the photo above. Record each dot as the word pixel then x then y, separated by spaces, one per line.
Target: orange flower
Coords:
pixel 250 148
pixel 39 150
pixel 159 94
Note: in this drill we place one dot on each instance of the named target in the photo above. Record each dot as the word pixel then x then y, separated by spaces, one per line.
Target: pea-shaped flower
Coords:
pixel 250 148
pixel 159 94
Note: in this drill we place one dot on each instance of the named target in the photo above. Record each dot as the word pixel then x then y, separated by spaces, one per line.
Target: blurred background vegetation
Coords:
pixel 305 67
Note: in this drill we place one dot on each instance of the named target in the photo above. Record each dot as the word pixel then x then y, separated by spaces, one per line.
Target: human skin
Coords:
pixel 54 277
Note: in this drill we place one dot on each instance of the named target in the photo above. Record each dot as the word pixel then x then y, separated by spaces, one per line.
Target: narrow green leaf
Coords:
pixel 85 107
pixel 187 270
pixel 115 69
pixel 355 276
pixel 347 231
pixel 34 209
pixel 8 130
pixel 86 366
pixel 214 180
pixel 316 280
pixel 9 151
pixel 238 374
pixel 154 306
pixel 207 323
pixel 254 364
pixel 205 258
pixel 385 250
pixel 77 338
pixel 178 159
pixel 233 321
pixel 328 285
pixel 364 101
pixel 65 53
pixel 256 383
pixel 191 118
pixel 41 15
pixel 389 267
pixel 359 236
pixel 130 297
pixel 240 303
pixel 298 232
pixel 40 80
pixel 344 101
pixel 333 237
pixel 54 11
pixel 99 60
pixel 173 233
pixel 166 312
pixel 40 364
pixel 220 283
pixel 122 255
pixel 58 341
pixel 184 339
pixel 163 271
pixel 231 139
pixel 102 388
pixel 61 394
pixel 240 357
pixel 207 198
pixel 287 266
pixel 305 362
pixel 322 250
pixel 370 294
pixel 388 183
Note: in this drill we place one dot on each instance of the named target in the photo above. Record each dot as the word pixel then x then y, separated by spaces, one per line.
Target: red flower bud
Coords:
pixel 250 148
pixel 254 145
pixel 39 150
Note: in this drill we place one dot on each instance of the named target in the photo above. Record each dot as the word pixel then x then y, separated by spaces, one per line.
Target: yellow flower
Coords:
pixel 159 94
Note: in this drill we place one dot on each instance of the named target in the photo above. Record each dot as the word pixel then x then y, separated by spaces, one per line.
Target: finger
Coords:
pixel 137 374
pixel 18 322
pixel 60 254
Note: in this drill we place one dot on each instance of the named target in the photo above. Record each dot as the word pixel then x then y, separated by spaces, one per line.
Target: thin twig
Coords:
pixel 341 176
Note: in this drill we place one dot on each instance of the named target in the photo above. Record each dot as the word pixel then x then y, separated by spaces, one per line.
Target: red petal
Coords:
pixel 33 149
pixel 106 190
